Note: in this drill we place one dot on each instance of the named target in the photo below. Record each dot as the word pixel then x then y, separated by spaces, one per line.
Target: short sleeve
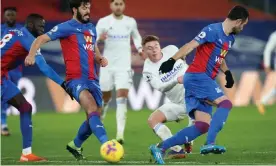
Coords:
pixel 207 35
pixel 59 31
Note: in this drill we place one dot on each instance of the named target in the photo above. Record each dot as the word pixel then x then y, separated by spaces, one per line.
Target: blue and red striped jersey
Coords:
pixel 78 47
pixel 15 46
pixel 214 45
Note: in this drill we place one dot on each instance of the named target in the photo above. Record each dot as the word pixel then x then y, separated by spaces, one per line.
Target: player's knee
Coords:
pixel 151 122
pixel 25 107
pixel 203 127
pixel 225 104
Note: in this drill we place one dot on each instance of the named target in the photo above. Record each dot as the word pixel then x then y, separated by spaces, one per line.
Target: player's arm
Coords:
pixel 50 73
pixel 157 84
pixel 270 46
pixel 99 58
pixel 47 70
pixel 136 37
pixel 57 32
pixel 228 75
pixel 38 42
pixel 206 35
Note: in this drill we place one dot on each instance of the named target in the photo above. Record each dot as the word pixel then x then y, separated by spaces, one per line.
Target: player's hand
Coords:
pixel 229 79
pixel 29 60
pixel 102 61
pixel 67 90
pixel 142 55
pixel 167 66
pixel 180 80
pixel 103 36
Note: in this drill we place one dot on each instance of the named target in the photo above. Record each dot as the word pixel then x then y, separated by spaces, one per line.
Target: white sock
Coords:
pixel 105 108
pixel 164 133
pixel 121 116
pixel 27 151
pixel 270 95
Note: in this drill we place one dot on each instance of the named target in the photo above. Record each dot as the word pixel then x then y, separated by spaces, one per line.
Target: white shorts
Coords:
pixel 118 79
pixel 173 112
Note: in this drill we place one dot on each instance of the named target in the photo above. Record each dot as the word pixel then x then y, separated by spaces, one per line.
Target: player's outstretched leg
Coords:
pixel 155 122
pixel 121 113
pixel 189 145
pixel 106 102
pixel 185 135
pixel 25 109
pixel 4 124
pixel 92 109
pixel 218 120
pixel 74 147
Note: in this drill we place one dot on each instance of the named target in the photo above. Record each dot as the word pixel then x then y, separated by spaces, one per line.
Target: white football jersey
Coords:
pixel 117 46
pixel 167 82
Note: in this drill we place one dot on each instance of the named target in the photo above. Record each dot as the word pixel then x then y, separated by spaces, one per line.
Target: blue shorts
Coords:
pixel 15 75
pixel 78 85
pixel 198 88
pixel 8 90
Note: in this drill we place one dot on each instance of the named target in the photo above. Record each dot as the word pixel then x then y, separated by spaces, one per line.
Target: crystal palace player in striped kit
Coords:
pixel 212 44
pixel 82 57
pixel 15 45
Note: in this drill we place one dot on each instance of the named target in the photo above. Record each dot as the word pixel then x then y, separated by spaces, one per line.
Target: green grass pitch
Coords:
pixel 250 138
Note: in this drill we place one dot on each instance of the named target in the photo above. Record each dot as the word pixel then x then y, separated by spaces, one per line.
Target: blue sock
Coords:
pixel 26 124
pixel 4 107
pixel 97 127
pixel 185 135
pixel 218 120
pixel 83 133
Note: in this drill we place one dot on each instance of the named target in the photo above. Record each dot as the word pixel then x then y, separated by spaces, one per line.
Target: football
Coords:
pixel 112 151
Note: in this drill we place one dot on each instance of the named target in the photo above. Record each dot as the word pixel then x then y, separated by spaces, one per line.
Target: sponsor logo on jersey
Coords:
pixel 222 55
pixel 168 76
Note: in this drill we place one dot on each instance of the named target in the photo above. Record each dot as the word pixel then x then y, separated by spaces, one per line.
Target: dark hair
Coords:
pixel 149 38
pixel 10 8
pixel 33 17
pixel 111 1
pixel 238 12
pixel 77 3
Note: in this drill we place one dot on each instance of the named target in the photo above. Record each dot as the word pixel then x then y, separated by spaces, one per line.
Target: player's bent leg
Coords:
pixel 155 121
pixel 75 146
pixel 106 101
pixel 89 104
pixel 224 105
pixel 25 109
pixel 188 134
pixel 121 113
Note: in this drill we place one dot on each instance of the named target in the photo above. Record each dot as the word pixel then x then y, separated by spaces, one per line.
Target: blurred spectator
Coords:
pixel 10 20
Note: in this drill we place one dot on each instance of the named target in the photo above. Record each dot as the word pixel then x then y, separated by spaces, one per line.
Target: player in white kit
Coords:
pixel 170 84
pixel 116 31
pixel 270 48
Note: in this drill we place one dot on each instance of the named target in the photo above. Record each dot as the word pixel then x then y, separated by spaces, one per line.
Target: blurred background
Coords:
pixel 175 22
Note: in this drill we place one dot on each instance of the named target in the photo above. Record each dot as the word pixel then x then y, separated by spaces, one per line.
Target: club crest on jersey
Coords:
pixel 91 32
pixel 168 76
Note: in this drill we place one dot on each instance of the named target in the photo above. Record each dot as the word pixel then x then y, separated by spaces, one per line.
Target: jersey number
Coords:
pixel 5 39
